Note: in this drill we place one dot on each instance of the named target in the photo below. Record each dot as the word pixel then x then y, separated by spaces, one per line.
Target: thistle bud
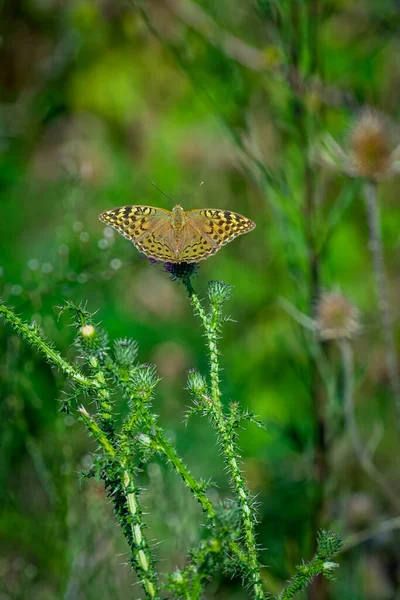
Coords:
pixel 93 343
pixel 371 146
pixel 329 544
pixel 219 292
pixel 87 331
pixel 336 317
pixel 196 383
pixel 143 380
pixel 125 352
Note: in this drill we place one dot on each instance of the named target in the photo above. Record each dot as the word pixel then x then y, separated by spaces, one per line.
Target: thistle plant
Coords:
pixel 328 545
pixel 372 155
pixel 338 320
pixel 228 544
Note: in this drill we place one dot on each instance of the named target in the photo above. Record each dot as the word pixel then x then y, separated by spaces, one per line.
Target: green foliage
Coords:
pixel 230 545
pixel 259 100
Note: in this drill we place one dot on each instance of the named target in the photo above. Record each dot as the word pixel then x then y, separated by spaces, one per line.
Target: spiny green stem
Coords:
pixel 140 547
pixel 97 433
pixel 161 444
pixel 141 551
pixel 194 299
pixel 201 567
pixel 103 399
pixel 243 495
pixel 376 247
pixel 305 575
pixel 212 338
pixel 158 441
pixel 211 325
pixel 97 383
pixel 30 333
pixel 164 446
pixel 328 544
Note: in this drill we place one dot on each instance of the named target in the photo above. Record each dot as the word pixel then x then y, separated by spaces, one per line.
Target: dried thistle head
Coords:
pixel 371 146
pixel 336 317
pixel 371 150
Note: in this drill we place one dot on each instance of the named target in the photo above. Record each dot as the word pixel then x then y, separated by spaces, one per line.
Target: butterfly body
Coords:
pixel 178 217
pixel 178 235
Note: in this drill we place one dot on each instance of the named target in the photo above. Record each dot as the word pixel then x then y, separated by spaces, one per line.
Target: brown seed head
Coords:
pixel 370 146
pixel 336 317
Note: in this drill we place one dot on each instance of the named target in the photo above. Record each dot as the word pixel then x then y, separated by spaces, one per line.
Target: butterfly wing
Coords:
pixel 210 229
pixel 205 231
pixel 149 229
pixel 196 246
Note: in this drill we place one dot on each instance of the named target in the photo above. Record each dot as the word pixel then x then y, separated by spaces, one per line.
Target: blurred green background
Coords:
pixel 99 99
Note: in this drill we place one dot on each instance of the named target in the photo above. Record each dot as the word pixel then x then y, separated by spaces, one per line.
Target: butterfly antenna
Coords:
pixel 191 193
pixel 161 192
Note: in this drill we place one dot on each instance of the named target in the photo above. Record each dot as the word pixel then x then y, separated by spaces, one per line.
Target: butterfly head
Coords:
pixel 178 217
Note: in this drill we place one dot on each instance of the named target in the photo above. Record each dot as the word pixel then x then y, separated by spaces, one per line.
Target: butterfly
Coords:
pixel 177 236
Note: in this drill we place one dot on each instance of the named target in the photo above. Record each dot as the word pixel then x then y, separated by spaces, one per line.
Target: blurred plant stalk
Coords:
pixel 346 353
pixel 381 288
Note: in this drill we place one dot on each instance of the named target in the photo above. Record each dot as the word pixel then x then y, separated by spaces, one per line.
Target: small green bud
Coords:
pixel 196 383
pixel 125 352
pixel 92 341
pixel 219 292
pixel 87 331
pixel 329 543
pixel 144 380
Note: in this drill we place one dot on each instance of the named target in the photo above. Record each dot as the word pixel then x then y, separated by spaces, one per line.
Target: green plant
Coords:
pixel 229 542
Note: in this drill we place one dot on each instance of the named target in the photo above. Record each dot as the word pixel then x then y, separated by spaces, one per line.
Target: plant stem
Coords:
pixel 31 334
pixel 299 47
pixel 376 247
pixel 103 400
pixel 328 544
pixel 141 413
pixel 306 575
pixel 346 353
pixel 139 545
pixel 95 384
pixel 161 444
pixel 211 325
